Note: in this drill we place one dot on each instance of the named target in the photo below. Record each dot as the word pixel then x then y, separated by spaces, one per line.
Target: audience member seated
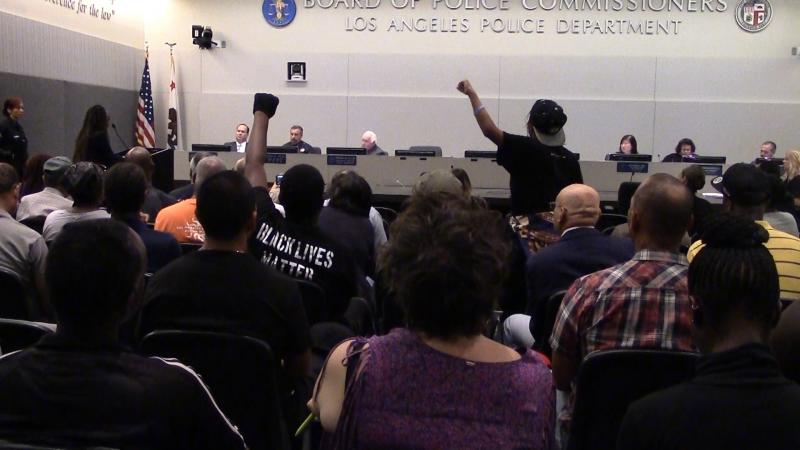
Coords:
pixel 580 251
pixel 298 247
pixel 179 219
pixel 92 143
pixel 429 183
pixel 79 387
pixel 738 398
pixel 345 218
pixel 156 199
pixel 791 166
pixel 221 287
pixel 187 191
pixel 685 148
pixel 52 197
pixel 125 188
pixel 780 206
pixel 22 250
pixel 375 219
pixel 295 245
pixel 642 303
pixel 438 180
pixel 32 177
pixel 746 191
pixel 695 178
pixel 785 342
pixel 438 383
pixel 84 183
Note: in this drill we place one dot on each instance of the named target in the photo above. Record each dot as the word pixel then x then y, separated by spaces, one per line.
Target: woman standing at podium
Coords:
pixel 92 144
pixel 539 164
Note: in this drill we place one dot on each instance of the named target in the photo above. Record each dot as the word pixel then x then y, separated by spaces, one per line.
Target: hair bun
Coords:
pixel 730 231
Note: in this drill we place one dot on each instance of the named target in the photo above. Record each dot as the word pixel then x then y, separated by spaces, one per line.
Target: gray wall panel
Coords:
pixel 54 110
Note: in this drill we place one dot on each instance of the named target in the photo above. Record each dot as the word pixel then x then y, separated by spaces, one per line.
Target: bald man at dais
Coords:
pixel 580 251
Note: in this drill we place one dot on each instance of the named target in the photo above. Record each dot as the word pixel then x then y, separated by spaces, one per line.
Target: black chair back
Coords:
pixel 608 231
pixel 13 301
pixel 544 323
pixel 625 194
pixel 9 445
pixel 610 220
pixel 388 214
pixel 19 334
pixel 240 371
pixel 187 247
pixel 35 223
pixel 314 301
pixel 609 381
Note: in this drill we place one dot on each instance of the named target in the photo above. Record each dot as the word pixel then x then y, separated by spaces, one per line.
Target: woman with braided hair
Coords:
pixel 738 398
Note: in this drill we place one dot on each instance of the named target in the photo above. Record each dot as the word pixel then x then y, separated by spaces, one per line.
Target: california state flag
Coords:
pixel 172 124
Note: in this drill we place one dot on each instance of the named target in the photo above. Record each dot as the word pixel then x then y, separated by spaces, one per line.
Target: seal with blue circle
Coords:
pixel 279 13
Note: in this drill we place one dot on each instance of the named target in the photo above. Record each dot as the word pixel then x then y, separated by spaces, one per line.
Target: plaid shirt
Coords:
pixel 642 303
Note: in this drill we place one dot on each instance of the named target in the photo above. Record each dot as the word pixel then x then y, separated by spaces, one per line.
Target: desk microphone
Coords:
pixel 124 144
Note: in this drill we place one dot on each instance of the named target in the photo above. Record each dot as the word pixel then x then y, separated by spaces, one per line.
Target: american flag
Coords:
pixel 145 136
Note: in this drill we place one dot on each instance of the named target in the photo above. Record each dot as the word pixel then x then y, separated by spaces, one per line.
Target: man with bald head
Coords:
pixel 179 219
pixel 642 303
pixel 369 142
pixel 580 251
pixel 155 199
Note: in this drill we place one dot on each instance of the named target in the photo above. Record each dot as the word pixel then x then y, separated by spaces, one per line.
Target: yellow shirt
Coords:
pixel 179 220
pixel 785 250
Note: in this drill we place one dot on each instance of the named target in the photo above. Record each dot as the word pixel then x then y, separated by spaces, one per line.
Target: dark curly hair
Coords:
pixel 446 263
pixel 735 271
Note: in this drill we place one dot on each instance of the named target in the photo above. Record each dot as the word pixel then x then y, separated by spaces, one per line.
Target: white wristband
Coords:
pixel 479 109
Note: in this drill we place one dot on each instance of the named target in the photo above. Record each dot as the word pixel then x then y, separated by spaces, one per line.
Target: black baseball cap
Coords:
pixel 548 119
pixel 745 184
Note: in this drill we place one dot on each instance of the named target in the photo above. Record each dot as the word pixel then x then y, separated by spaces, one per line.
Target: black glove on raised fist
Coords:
pixel 266 103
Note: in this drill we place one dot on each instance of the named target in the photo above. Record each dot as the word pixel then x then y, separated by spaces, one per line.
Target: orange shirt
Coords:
pixel 179 220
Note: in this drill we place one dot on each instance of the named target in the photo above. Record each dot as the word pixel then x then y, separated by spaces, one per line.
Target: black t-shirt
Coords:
pixel 304 252
pixel 701 210
pixel 793 187
pixel 61 392
pixel 538 172
pixel 353 232
pixel 228 292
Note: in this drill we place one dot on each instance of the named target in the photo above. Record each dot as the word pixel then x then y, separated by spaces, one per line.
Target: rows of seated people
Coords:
pixel 660 336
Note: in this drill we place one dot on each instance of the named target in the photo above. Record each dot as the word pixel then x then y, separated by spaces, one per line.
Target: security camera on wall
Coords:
pixel 202 37
pixel 296 72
